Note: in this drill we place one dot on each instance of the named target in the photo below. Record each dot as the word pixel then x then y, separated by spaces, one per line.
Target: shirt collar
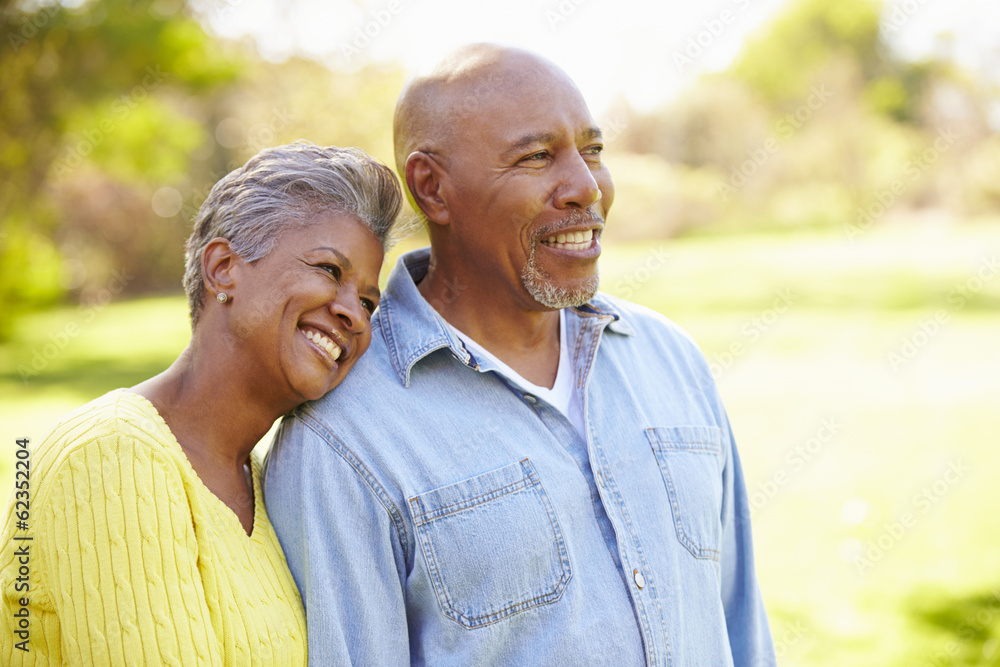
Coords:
pixel 413 329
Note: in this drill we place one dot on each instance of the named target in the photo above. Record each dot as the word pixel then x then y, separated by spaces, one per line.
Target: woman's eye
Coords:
pixel 332 269
pixel 368 305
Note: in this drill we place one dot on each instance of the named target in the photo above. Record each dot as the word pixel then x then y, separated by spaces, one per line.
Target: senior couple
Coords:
pixel 519 471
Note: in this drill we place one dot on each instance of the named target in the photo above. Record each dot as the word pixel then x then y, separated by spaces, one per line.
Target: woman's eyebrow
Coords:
pixel 372 291
pixel 346 263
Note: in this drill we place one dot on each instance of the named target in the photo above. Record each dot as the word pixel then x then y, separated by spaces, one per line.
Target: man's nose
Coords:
pixel 578 188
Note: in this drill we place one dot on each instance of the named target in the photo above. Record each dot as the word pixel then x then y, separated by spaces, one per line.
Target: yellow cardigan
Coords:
pixel 133 561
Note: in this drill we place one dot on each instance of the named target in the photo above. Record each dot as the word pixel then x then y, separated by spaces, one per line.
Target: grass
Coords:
pixel 849 452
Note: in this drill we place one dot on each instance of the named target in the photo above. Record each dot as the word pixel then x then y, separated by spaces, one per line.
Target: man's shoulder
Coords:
pixel 370 388
pixel 644 321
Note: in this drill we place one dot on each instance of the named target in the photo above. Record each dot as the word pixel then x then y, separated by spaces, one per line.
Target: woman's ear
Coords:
pixel 424 177
pixel 217 263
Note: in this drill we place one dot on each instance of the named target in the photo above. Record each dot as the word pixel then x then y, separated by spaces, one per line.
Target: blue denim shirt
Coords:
pixel 432 513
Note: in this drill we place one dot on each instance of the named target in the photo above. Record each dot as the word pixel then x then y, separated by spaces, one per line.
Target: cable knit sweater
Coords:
pixel 133 561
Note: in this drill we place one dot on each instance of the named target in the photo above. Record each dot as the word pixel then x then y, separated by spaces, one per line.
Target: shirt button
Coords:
pixel 640 580
pixel 530 399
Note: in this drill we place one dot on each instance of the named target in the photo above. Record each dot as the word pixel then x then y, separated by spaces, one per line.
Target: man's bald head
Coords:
pixel 435 105
pixel 502 158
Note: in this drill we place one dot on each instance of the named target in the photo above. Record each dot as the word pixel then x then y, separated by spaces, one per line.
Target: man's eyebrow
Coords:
pixel 590 134
pixel 530 140
pixel 341 256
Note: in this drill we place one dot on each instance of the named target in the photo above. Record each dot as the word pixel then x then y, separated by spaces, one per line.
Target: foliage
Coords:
pixel 785 59
pixel 118 117
pixel 101 102
pixel 818 123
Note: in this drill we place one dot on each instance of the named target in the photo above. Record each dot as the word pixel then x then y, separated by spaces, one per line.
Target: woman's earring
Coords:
pixel 222 297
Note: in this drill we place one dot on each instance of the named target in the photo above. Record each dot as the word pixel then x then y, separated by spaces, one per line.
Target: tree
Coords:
pixel 112 91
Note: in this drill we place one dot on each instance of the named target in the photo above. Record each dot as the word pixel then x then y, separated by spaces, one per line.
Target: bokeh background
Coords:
pixel 811 188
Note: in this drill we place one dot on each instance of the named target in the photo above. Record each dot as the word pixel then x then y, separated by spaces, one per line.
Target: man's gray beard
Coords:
pixel 542 289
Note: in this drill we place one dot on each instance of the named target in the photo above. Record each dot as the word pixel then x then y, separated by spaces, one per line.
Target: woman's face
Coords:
pixel 302 313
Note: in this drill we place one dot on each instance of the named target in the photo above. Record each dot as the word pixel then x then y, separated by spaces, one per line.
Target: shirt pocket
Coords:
pixel 492 545
pixel 690 461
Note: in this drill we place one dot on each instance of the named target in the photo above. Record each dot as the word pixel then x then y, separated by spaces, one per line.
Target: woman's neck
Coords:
pixel 210 407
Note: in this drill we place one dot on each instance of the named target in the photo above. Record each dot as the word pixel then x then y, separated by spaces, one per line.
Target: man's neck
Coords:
pixel 522 335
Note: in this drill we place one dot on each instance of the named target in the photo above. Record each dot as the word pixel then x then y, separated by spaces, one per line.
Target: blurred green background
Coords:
pixel 820 210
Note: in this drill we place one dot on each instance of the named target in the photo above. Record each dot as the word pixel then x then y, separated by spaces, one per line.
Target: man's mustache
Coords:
pixel 576 218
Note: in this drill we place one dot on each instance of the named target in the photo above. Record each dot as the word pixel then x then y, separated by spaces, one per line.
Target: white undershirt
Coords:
pixel 563 395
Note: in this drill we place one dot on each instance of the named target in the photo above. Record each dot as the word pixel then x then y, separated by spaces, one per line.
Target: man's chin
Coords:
pixel 565 293
pixel 553 295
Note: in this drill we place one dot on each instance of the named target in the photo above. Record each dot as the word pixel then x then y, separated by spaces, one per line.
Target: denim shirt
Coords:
pixel 433 513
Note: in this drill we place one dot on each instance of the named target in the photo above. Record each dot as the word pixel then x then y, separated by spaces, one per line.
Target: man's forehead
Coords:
pixel 485 91
pixel 512 80
pixel 528 101
pixel 490 62
pixel 486 75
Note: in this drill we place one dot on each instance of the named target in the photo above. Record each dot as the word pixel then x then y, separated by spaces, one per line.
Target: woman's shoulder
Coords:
pixel 118 423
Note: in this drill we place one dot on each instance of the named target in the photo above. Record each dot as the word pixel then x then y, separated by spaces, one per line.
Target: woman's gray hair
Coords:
pixel 284 188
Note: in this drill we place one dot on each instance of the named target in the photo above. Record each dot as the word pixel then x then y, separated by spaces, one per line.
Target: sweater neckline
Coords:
pixel 257 528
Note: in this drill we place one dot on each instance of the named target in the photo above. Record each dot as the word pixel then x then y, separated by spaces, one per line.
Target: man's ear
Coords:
pixel 217 263
pixel 424 177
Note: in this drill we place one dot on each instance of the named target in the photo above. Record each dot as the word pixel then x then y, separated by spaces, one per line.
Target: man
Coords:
pixel 520 471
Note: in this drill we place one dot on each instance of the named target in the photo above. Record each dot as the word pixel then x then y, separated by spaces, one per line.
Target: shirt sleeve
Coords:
pixel 746 618
pixel 119 558
pixel 342 537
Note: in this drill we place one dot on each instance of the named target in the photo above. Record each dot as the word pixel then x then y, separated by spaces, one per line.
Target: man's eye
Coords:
pixel 595 150
pixel 535 157
pixel 368 305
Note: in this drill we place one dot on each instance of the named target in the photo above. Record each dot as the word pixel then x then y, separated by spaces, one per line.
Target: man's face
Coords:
pixel 528 191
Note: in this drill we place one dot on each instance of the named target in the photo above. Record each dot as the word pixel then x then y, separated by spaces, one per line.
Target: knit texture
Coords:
pixel 135 562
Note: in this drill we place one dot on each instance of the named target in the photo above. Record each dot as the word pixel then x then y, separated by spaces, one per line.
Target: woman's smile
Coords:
pixel 324 343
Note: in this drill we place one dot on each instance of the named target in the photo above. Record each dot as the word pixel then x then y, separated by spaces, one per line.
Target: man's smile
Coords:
pixel 571 240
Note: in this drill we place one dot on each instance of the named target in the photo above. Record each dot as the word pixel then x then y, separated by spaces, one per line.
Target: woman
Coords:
pixel 148 540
